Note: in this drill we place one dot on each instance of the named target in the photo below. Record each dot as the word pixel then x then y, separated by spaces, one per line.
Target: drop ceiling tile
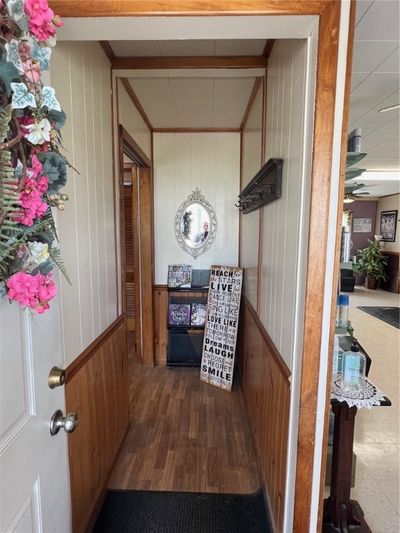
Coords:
pixel 368 55
pixel 239 47
pixel 380 84
pixel 392 63
pixel 231 97
pixel 156 99
pixel 380 22
pixel 194 101
pixel 371 121
pixel 187 48
pixel 381 164
pixel 357 78
pixel 361 7
pixel 136 48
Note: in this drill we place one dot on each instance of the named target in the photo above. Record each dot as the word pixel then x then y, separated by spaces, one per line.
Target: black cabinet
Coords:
pixel 185 341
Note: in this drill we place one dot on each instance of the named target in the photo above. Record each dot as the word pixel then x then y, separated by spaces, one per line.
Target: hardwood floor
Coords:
pixel 185 436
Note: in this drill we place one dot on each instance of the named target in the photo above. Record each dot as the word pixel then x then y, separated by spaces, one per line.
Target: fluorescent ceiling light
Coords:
pixel 380 176
pixel 389 108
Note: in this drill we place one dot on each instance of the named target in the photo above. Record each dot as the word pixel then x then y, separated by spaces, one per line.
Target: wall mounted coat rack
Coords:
pixel 264 188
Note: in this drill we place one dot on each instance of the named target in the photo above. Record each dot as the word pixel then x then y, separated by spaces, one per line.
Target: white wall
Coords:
pixel 132 120
pixel 389 203
pixel 182 162
pixel 250 223
pixel 81 77
pixel 284 219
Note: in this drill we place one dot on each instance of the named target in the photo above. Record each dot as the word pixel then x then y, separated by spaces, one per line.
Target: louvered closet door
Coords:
pixel 132 287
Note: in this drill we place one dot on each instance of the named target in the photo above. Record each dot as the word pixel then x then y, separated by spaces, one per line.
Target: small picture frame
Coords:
pixel 362 225
pixel 179 315
pixel 179 276
pixel 388 225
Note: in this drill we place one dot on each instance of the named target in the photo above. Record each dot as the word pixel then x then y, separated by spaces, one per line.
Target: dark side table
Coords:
pixel 341 514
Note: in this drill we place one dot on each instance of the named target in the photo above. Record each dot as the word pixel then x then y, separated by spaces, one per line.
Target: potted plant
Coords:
pixel 372 263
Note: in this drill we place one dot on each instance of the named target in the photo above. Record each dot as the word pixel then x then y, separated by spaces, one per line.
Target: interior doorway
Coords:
pixel 136 229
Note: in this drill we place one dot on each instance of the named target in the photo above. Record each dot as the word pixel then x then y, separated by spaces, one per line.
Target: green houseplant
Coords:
pixel 371 262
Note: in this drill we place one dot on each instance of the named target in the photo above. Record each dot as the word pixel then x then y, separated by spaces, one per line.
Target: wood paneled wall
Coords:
pixel 80 75
pixel 97 389
pixel 266 392
pixel 160 309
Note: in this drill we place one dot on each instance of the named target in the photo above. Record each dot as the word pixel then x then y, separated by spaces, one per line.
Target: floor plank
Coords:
pixel 185 435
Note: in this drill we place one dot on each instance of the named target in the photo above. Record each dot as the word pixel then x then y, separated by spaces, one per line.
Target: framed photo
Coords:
pixel 179 315
pixel 179 276
pixel 199 313
pixel 362 225
pixel 388 225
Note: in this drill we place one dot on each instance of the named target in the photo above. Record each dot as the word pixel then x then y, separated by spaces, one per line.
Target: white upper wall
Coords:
pixel 182 162
pixel 284 219
pixel 250 223
pixel 81 78
pixel 132 120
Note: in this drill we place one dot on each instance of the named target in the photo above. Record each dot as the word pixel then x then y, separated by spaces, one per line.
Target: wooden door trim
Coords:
pixel 325 101
pixel 146 232
pixel 135 100
pixel 140 156
pixel 134 8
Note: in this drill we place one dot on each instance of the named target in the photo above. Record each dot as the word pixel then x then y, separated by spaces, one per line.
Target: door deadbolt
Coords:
pixel 56 377
pixel 68 422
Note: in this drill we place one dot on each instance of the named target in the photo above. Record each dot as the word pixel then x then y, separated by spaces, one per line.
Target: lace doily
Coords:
pixel 367 395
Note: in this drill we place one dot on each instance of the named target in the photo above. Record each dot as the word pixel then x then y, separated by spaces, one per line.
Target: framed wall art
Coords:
pixel 388 225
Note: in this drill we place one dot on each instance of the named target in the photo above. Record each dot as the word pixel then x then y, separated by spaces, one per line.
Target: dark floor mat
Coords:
pixel 131 511
pixel 390 315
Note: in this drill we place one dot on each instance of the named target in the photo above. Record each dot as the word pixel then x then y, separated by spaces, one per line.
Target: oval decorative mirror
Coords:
pixel 195 224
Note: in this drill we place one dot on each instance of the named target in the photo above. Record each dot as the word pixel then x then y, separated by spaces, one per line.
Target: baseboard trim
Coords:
pixel 74 367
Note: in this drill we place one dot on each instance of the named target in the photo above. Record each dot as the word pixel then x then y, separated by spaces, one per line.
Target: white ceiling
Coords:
pixel 194 102
pixel 376 83
pixel 223 47
pixel 378 183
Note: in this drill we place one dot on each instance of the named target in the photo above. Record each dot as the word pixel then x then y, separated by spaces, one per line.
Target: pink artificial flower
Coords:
pixel 23 288
pixel 57 21
pixel 31 70
pixel 31 201
pixel 36 166
pixel 24 121
pixel 31 291
pixel 42 184
pixel 40 19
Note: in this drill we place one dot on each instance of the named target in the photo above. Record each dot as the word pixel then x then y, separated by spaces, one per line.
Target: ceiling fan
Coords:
pixel 350 192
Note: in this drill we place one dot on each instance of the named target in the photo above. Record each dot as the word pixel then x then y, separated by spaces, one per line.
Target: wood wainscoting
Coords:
pixel 97 389
pixel 266 391
pixel 160 310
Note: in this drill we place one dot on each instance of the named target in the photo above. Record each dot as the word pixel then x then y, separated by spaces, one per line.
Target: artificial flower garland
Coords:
pixel 32 169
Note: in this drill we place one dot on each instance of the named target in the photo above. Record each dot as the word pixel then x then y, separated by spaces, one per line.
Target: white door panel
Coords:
pixel 34 492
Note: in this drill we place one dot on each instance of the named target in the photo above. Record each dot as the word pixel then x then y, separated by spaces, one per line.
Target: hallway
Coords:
pixel 185 436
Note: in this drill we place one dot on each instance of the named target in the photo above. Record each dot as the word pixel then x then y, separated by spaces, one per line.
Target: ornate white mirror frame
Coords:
pixel 196 198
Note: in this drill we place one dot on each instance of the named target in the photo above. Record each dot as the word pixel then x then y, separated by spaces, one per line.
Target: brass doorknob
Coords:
pixel 56 377
pixel 68 422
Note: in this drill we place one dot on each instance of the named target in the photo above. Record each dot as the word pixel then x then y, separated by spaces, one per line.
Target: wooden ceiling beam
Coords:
pixel 131 8
pixel 107 50
pixel 269 43
pixel 195 62
pixel 136 102
pixel 250 103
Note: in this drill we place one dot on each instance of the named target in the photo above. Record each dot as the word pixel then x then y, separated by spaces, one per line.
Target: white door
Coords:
pixel 34 478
